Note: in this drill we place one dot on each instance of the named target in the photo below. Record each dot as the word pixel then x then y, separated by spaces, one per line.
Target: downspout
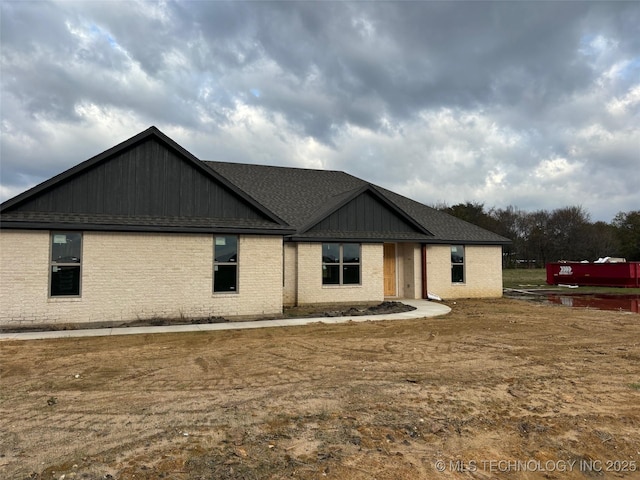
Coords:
pixel 424 271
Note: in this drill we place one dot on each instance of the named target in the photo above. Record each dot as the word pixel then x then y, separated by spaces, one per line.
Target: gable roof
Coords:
pixel 445 228
pixel 304 197
pixel 147 183
pixel 299 204
pixel 367 190
pixel 296 194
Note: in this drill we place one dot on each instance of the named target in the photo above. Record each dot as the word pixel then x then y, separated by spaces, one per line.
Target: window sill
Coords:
pixel 63 299
pixel 351 285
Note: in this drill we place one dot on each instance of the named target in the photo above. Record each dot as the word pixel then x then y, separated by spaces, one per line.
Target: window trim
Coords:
pixel 53 263
pixel 217 264
pixel 342 264
pixel 458 264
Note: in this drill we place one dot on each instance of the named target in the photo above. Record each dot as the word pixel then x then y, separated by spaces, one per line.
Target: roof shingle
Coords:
pixel 290 201
pixel 299 196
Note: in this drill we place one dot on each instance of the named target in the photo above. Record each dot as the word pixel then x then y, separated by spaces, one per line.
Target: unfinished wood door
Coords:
pixel 389 253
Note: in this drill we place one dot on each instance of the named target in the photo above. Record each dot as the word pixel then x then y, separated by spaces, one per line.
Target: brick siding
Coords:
pixel 309 277
pixel 483 272
pixel 131 276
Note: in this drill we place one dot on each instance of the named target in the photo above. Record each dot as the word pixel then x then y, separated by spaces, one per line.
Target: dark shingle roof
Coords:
pixel 288 200
pixel 444 227
pixel 300 196
pixel 294 194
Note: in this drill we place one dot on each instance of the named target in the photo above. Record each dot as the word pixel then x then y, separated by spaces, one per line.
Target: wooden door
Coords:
pixel 389 253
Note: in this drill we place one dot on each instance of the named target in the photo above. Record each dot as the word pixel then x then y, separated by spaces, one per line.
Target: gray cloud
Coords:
pixel 519 103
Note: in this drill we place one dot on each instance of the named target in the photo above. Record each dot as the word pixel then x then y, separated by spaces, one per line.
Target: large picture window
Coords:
pixel 340 263
pixel 457 264
pixel 225 264
pixel 66 264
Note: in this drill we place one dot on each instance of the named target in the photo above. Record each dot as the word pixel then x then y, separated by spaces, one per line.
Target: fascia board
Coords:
pixel 140 228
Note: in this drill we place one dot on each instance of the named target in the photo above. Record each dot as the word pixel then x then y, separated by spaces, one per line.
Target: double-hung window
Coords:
pixel 225 263
pixel 66 264
pixel 457 264
pixel 340 263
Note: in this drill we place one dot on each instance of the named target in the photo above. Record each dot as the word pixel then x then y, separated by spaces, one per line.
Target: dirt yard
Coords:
pixel 496 389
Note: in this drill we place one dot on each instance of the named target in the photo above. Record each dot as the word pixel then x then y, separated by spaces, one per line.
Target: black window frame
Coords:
pixel 65 271
pixel 339 265
pixel 458 273
pixel 221 284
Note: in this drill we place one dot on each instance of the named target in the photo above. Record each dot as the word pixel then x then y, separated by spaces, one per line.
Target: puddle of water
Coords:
pixel 627 303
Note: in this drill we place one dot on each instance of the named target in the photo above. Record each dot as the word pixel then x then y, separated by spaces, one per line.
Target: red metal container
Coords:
pixel 625 274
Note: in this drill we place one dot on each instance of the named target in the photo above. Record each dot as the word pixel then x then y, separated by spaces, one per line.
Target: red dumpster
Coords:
pixel 624 274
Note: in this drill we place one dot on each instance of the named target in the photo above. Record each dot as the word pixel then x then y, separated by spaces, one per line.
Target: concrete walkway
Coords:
pixel 423 309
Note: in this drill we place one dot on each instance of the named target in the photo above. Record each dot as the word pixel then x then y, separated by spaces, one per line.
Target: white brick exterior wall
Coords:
pixel 129 276
pixel 289 294
pixel 483 272
pixel 309 280
pixel 24 276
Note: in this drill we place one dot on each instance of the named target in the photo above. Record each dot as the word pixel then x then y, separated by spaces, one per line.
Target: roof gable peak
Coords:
pixel 151 132
pixel 343 199
pixel 148 166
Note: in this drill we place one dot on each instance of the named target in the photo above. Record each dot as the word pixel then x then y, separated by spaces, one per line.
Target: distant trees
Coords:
pixel 565 233
pixel 627 227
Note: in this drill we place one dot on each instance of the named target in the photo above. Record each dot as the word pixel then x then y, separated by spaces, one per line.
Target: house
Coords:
pixel 147 230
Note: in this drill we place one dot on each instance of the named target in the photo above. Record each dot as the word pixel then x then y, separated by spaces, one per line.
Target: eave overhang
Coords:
pixel 142 228
pixel 390 239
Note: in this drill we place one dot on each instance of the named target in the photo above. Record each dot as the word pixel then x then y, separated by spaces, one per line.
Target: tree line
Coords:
pixel 546 236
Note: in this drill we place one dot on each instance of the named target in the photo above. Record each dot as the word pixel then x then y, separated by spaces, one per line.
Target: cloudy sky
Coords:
pixel 531 104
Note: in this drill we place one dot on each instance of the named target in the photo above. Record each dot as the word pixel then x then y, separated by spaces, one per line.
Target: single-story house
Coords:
pixel 146 230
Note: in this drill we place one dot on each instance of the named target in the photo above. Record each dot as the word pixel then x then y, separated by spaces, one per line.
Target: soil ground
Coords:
pixel 496 389
pixel 387 307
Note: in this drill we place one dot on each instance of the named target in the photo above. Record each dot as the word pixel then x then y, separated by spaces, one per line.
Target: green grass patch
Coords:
pixel 635 386
pixel 519 277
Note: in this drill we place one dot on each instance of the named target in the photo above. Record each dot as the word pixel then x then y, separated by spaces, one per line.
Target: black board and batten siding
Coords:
pixel 365 213
pixel 148 179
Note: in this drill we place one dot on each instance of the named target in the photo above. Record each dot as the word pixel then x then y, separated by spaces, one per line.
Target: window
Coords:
pixel 66 264
pixel 225 264
pixel 457 264
pixel 340 263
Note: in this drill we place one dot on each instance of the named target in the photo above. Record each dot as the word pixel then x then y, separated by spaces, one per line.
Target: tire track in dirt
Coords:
pixel 358 401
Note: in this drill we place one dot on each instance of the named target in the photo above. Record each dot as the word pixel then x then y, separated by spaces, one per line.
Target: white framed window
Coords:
pixel 65 266
pixel 457 264
pixel 341 264
pixel 225 264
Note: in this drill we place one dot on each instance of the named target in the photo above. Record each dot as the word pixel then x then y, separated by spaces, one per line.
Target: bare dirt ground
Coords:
pixel 288 313
pixel 496 389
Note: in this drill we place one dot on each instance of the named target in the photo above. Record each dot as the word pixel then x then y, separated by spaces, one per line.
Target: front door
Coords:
pixel 389 253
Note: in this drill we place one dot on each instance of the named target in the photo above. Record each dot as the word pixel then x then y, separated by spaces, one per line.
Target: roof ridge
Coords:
pixel 284 167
